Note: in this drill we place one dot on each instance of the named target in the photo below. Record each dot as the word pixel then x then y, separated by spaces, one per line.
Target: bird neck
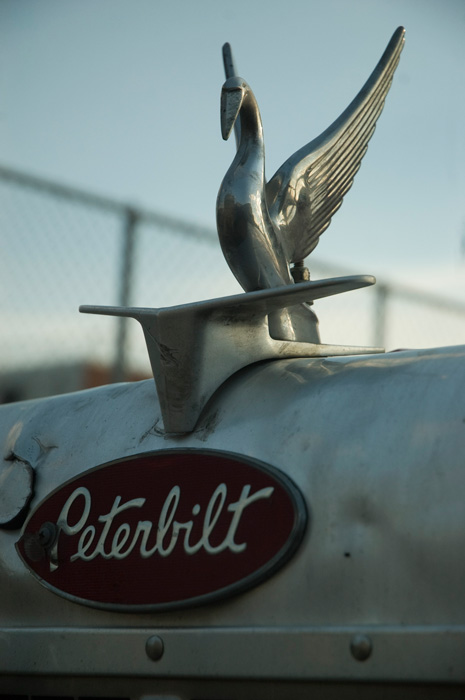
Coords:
pixel 251 145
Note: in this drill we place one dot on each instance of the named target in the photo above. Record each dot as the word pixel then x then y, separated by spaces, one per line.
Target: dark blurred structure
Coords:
pixel 24 384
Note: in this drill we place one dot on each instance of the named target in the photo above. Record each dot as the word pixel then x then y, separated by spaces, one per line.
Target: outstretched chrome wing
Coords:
pixel 309 187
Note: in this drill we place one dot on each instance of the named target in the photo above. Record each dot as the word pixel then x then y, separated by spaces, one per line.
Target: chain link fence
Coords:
pixel 62 247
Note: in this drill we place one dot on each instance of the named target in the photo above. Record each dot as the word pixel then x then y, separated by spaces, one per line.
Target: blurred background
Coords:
pixel 111 158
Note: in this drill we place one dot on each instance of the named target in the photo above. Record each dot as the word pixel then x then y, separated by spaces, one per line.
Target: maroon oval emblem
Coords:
pixel 164 530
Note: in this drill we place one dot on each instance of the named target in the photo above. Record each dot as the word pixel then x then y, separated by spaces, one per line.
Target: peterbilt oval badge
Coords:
pixel 164 530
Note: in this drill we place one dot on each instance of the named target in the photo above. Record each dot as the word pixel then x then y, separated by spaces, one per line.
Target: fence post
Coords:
pixel 126 266
pixel 380 312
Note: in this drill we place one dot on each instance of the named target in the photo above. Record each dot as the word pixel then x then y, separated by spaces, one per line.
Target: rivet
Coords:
pixel 154 647
pixel 361 647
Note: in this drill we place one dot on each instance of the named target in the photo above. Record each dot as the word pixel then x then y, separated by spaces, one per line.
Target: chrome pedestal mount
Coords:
pixel 194 348
pixel 263 228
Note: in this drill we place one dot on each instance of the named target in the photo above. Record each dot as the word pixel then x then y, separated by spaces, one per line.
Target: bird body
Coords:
pixel 249 239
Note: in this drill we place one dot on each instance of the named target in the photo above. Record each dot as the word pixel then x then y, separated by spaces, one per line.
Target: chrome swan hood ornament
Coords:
pixel 250 239
pixel 263 228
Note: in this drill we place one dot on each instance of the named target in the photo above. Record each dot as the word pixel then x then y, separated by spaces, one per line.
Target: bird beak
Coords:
pixel 231 103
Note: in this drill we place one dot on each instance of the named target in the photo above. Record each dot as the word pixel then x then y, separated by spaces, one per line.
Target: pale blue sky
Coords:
pixel 122 97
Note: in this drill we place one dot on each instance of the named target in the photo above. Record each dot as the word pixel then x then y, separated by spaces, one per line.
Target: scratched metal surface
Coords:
pixel 376 445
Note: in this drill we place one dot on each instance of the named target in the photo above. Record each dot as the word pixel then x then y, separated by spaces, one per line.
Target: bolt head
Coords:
pixel 154 647
pixel 361 647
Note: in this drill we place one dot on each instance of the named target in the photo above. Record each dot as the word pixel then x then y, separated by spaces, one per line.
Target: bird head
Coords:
pixel 232 96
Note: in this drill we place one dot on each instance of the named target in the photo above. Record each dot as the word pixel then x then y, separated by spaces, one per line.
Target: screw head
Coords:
pixel 48 534
pixel 154 647
pixel 361 647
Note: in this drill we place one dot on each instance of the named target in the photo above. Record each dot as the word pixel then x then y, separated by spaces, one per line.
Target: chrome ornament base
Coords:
pixel 194 348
